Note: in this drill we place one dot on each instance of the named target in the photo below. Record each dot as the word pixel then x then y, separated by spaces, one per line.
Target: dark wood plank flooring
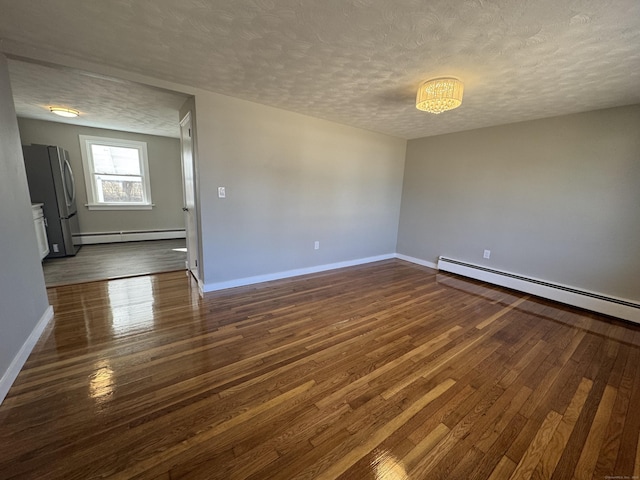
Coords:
pixel 115 260
pixel 382 371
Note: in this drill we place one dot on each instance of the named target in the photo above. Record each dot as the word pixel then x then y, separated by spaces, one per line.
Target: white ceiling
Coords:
pixel 358 62
pixel 103 102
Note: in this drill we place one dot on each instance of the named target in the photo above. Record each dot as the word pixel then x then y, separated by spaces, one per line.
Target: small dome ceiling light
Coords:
pixel 65 112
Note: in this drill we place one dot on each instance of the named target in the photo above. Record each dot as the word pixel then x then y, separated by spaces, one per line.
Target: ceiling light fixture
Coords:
pixel 64 112
pixel 439 95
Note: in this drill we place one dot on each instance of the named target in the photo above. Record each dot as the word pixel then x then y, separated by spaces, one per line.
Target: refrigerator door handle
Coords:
pixel 70 183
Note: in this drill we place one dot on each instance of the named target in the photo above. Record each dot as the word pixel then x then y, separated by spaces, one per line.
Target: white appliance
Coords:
pixel 40 224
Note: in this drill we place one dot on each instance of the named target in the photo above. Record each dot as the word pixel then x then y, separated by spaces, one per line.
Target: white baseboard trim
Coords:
pixel 197 280
pixel 596 302
pixel 21 357
pixel 415 260
pixel 240 282
pixel 128 236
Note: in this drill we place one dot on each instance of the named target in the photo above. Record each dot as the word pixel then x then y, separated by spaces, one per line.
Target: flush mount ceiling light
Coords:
pixel 439 95
pixel 64 112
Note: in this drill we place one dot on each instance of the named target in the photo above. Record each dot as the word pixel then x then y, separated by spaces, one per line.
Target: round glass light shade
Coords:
pixel 439 95
pixel 64 112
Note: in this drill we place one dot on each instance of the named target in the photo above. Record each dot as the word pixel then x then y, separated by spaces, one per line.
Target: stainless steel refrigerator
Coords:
pixel 51 182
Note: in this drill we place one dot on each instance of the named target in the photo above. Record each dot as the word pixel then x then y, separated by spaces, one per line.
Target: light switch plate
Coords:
pixel 222 193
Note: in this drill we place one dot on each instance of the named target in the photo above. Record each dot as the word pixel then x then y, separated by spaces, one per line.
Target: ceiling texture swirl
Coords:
pixel 356 62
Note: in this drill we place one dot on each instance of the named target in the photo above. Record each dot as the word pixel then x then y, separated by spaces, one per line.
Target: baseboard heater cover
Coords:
pixel 128 236
pixel 616 307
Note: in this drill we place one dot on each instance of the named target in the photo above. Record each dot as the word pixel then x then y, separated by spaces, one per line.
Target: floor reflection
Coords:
pixel 102 382
pixel 387 467
pixel 131 305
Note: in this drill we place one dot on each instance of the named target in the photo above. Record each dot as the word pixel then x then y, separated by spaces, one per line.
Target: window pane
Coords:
pixel 113 189
pixel 116 173
pixel 115 160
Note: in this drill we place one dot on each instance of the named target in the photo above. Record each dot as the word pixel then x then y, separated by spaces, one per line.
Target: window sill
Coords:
pixel 115 206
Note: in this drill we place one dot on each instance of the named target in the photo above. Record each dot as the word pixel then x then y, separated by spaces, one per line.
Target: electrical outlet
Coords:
pixel 316 245
pixel 222 192
pixel 487 254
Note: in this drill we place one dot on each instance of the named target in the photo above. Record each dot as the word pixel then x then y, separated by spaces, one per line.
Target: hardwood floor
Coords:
pixel 383 371
pixel 115 260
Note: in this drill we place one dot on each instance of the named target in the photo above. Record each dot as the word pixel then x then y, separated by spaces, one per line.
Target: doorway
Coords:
pixel 108 236
pixel 189 193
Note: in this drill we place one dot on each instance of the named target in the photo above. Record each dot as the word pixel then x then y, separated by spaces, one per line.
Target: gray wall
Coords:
pixel 557 199
pixel 291 180
pixel 23 297
pixel 164 169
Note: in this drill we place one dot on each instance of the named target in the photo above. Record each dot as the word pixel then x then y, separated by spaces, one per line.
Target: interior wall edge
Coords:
pixel 418 261
pixel 21 357
pixel 23 294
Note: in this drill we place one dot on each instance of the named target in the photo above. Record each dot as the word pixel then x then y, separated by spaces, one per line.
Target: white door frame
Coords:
pixel 189 196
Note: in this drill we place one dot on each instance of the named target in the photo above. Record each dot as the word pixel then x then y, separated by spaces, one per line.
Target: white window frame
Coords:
pixel 87 162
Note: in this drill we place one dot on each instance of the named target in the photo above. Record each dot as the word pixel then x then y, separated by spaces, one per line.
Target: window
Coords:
pixel 116 173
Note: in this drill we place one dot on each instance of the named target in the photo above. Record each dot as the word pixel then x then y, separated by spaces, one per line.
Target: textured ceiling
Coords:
pixel 358 62
pixel 102 102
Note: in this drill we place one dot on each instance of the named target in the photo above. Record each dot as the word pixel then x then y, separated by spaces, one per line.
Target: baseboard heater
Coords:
pixel 616 307
pixel 128 236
